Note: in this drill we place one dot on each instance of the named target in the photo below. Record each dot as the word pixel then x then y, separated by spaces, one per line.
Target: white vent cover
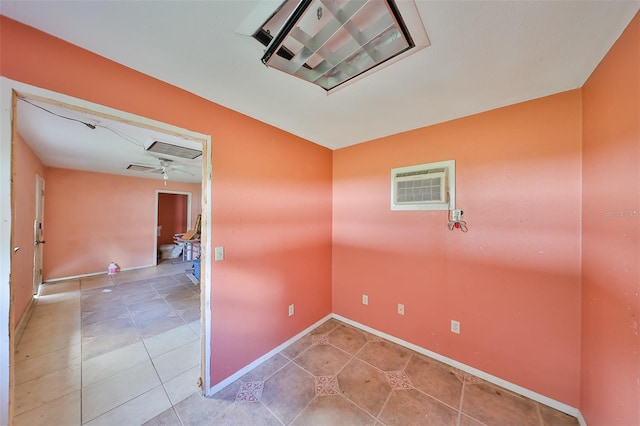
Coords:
pixel 424 187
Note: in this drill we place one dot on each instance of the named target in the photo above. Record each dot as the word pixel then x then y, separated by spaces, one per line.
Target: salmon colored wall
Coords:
pixel 271 194
pixel 611 236
pixel 26 167
pixel 513 281
pixel 92 219
pixel 172 216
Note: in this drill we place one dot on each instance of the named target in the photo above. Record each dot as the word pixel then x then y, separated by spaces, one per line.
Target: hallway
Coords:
pixel 109 349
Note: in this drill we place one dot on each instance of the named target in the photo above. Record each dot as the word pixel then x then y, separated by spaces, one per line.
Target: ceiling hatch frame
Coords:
pixel 334 43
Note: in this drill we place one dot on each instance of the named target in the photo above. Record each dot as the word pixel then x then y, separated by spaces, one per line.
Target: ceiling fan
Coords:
pixel 165 167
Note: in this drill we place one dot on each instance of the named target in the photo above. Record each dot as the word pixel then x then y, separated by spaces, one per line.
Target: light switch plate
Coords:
pixel 218 253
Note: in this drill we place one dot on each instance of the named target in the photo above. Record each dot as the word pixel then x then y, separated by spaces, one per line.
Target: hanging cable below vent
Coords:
pixel 456 222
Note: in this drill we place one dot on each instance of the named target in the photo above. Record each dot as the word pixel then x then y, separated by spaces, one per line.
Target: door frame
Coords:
pixel 38 225
pixel 8 90
pixel 164 191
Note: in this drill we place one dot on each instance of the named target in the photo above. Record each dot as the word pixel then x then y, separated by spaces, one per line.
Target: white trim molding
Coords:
pixel 560 406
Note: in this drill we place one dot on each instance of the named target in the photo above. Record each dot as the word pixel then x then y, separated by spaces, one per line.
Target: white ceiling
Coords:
pixel 483 55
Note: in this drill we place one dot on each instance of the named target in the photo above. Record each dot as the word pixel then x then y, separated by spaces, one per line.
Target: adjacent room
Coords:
pixel 381 212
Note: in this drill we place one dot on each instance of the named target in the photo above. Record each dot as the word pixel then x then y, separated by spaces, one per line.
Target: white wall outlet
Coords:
pixel 365 299
pixel 457 215
pixel 292 309
pixel 218 253
pixel 455 326
pixel 400 309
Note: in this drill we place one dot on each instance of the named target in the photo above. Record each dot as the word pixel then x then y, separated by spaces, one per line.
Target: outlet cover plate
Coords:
pixel 455 326
pixel 400 309
pixel 292 309
pixel 365 299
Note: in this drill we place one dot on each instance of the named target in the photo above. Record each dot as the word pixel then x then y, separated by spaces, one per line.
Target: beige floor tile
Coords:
pixel 136 411
pixel 111 363
pixel 334 410
pixel 36 392
pixel 62 411
pixel 59 287
pixel 111 392
pixel 246 414
pixel 38 366
pixel 183 385
pixel 166 418
pixel 195 326
pixel 177 361
pixel 54 338
pixel 170 340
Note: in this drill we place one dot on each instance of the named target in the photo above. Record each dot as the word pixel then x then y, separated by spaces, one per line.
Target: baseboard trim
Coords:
pixel 90 274
pixel 24 320
pixel 560 406
pixel 244 370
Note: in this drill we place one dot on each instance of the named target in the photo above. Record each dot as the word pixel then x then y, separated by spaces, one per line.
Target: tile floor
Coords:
pixel 124 351
pixel 109 350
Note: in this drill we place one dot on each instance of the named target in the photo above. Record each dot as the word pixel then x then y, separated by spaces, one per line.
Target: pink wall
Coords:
pixel 271 195
pixel 513 281
pixel 92 219
pixel 26 166
pixel 172 216
pixel 611 236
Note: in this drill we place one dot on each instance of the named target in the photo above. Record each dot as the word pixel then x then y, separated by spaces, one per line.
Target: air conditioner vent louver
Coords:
pixel 139 168
pixel 423 187
pixel 174 150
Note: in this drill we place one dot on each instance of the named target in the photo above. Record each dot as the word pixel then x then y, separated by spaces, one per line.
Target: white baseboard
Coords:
pixel 235 376
pixel 91 274
pixel 560 406
pixel 24 320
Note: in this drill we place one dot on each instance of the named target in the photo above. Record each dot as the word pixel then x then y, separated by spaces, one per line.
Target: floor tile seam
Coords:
pixel 166 352
pixel 17 383
pixel 273 373
pixel 42 404
pixel 540 421
pixel 438 400
pixel 299 412
pixel 462 412
pixel 374 417
pixel 16 414
pixel 100 382
pixel 384 405
pixel 83 422
pixel 269 410
pixel 461 402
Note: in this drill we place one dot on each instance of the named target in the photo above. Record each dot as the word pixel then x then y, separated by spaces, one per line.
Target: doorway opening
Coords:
pixel 10 93
pixel 173 217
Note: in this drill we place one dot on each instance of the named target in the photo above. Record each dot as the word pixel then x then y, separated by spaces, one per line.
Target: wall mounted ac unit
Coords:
pixel 423 187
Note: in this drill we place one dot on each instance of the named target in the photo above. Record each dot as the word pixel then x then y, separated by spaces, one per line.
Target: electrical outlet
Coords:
pixel 455 326
pixel 291 309
pixel 457 215
pixel 218 253
pixel 365 299
pixel 400 309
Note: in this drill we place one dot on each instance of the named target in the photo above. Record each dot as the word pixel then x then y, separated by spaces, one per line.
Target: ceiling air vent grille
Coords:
pixel 139 168
pixel 174 150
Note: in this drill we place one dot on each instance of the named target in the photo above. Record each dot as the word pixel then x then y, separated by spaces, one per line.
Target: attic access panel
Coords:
pixel 329 42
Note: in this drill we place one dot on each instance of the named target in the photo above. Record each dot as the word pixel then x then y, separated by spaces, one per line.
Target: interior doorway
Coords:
pixel 173 216
pixel 10 91
pixel 38 235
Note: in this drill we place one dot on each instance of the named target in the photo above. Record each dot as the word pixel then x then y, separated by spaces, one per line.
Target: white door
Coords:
pixel 38 235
